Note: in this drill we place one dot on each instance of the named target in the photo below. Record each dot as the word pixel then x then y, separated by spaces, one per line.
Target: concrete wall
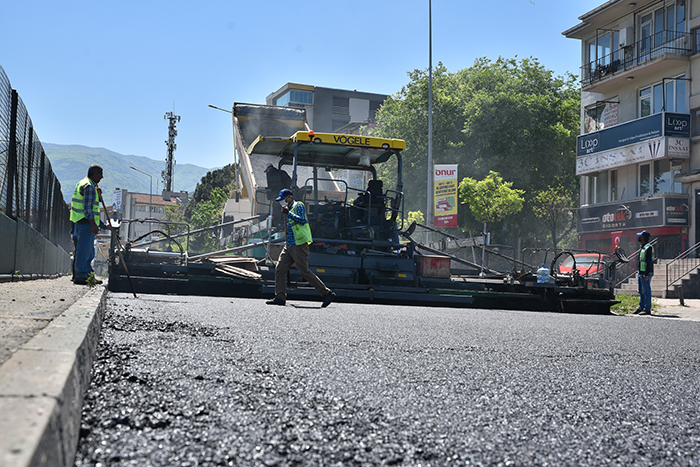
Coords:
pixel 25 250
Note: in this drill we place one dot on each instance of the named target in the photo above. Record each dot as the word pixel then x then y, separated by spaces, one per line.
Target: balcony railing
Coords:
pixel 624 58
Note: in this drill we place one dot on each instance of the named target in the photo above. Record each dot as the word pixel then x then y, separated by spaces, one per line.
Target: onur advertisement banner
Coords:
pixel 445 183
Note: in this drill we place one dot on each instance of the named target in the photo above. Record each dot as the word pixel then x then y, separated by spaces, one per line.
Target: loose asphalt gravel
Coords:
pixel 189 381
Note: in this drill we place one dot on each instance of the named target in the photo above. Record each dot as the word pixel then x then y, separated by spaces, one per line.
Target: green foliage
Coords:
pixel 629 303
pixel 491 199
pixel 220 178
pixel 415 216
pixel 509 116
pixel 91 280
pixel 554 207
pixel 203 210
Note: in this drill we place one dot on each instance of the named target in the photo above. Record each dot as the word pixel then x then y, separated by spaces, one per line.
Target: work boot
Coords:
pixel 327 299
pixel 276 301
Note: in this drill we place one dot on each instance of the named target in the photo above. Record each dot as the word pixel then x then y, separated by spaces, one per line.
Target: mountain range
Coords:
pixel 70 164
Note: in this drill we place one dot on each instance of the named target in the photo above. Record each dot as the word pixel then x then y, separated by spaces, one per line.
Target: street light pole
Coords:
pixel 150 196
pixel 431 198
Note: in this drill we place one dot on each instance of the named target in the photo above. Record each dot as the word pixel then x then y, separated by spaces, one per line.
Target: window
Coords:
pixel 373 107
pixel 295 96
pixel 695 122
pixel 676 171
pixel 592 117
pixel 662 176
pixel 654 100
pixel 644 179
pixel 613 186
pixel 341 105
pixel 661 28
pixel 601 187
pixel 604 49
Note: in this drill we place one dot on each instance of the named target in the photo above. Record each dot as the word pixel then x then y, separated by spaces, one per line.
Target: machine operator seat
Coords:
pixel 375 188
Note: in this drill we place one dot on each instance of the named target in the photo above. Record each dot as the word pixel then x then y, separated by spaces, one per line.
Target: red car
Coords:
pixel 586 263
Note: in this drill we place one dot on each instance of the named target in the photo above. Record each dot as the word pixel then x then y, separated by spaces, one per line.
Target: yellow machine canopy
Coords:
pixel 328 149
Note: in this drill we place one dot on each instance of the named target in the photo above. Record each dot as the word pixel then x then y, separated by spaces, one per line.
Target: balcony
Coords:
pixel 648 52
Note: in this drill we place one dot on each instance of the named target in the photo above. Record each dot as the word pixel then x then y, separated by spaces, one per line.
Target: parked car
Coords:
pixel 586 263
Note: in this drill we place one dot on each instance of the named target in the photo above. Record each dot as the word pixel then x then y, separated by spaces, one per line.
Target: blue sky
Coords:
pixel 104 73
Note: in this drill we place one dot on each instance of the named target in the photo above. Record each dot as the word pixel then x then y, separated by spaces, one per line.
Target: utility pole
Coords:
pixel 169 172
pixel 429 221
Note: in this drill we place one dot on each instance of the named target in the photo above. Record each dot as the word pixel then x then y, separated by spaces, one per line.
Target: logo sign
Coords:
pixel 655 212
pixel 445 195
pixel 676 211
pixel 677 125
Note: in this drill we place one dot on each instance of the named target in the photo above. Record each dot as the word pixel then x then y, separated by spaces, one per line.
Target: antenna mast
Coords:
pixel 169 172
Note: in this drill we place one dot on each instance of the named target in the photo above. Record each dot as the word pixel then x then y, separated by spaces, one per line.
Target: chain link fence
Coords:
pixel 29 190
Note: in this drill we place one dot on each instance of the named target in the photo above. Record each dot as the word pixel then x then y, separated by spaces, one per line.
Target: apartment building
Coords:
pixel 328 109
pixel 637 155
pixel 331 110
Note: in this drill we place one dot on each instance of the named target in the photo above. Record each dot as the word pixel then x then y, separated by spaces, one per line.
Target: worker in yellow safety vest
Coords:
pixel 85 221
pixel 646 272
pixel 296 251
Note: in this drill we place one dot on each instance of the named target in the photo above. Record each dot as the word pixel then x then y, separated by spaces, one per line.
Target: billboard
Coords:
pixel 445 195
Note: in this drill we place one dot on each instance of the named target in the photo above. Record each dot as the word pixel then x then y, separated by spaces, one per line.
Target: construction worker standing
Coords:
pixel 85 218
pixel 646 272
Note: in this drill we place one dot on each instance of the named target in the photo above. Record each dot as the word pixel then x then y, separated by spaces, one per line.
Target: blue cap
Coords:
pixel 643 233
pixel 284 193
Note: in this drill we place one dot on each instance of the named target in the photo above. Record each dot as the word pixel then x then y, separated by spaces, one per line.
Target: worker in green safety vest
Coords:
pixel 296 251
pixel 85 220
pixel 646 272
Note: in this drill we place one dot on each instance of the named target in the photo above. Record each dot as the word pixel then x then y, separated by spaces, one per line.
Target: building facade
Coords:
pixel 638 156
pixel 135 206
pixel 328 109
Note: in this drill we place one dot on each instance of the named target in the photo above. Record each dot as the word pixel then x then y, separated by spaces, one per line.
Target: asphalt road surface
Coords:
pixel 188 381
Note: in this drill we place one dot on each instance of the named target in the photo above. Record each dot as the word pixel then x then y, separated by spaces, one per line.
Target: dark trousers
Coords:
pixel 296 255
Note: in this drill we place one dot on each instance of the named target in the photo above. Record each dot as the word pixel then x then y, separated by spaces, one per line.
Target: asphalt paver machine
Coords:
pixel 363 248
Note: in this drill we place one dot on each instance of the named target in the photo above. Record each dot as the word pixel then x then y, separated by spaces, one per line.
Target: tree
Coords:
pixel 510 116
pixel 491 199
pixel 204 209
pixel 553 206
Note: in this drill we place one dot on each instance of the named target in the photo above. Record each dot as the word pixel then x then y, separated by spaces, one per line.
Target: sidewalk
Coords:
pixel 671 307
pixel 49 330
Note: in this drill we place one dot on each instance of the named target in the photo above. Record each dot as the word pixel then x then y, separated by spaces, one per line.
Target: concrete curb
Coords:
pixel 43 384
pixel 27 277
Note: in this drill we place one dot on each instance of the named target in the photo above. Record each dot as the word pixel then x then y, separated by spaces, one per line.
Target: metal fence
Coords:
pixel 29 190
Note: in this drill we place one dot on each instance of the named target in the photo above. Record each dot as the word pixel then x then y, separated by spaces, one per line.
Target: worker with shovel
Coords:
pixel 85 218
pixel 296 251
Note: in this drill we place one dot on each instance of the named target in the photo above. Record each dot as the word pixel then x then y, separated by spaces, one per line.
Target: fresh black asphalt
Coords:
pixel 200 381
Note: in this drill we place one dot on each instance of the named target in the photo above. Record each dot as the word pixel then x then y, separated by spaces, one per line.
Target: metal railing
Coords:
pixel 630 268
pixel 682 265
pixel 627 57
pixel 29 190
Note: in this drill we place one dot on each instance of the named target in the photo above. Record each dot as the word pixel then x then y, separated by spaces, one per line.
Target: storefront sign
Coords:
pixel 445 178
pixel 654 126
pixel 677 212
pixel 654 212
